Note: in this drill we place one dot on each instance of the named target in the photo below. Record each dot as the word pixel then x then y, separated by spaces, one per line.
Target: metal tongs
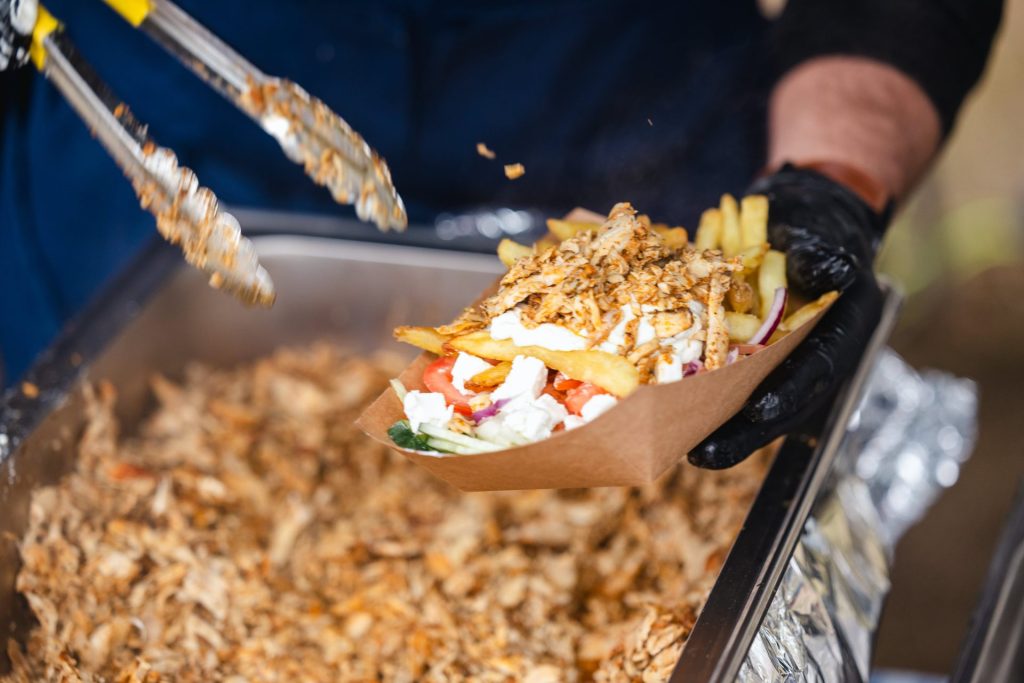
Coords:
pixel 188 214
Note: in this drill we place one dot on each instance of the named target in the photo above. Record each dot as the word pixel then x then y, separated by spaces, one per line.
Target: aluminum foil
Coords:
pixel 905 444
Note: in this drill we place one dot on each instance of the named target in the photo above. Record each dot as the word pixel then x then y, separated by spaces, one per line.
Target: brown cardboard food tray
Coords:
pixel 634 443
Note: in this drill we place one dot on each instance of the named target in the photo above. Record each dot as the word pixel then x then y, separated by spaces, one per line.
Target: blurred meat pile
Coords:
pixel 249 531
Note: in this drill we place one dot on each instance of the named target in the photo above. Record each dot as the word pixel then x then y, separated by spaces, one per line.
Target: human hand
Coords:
pixel 830 235
pixel 17 19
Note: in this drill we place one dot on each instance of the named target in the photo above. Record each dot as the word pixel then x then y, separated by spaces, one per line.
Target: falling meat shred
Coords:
pixel 513 171
pixel 484 151
pixel 263 542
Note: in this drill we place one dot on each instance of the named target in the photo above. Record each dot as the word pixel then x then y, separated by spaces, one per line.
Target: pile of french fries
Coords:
pixel 743 231
pixel 738 229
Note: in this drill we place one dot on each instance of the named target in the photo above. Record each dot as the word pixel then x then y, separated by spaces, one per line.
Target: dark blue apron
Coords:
pixel 658 103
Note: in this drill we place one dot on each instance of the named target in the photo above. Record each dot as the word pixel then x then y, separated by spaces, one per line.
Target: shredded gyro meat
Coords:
pixel 248 531
pixel 584 282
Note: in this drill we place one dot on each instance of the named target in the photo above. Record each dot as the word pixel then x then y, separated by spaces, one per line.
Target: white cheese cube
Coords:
pixel 688 350
pixel 668 369
pixel 525 380
pixel 684 351
pixel 465 368
pixel 555 410
pixel 573 421
pixel 536 420
pixel 597 405
pixel 421 407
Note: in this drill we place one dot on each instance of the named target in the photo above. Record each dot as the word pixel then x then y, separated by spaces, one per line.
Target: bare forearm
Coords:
pixel 857 112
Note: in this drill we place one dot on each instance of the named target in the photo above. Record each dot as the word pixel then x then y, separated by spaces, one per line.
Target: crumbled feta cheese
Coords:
pixel 548 335
pixel 465 368
pixel 684 351
pixel 572 422
pixel 521 422
pixel 535 420
pixel 422 407
pixel 525 381
pixel 555 410
pixel 597 405
pixel 668 369
pixel 688 350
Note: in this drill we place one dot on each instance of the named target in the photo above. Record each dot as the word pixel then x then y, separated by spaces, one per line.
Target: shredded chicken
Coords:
pixel 249 532
pixel 584 282
pixel 484 151
pixel 514 171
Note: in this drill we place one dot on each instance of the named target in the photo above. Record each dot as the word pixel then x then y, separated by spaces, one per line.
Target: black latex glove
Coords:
pixel 17 18
pixel 830 236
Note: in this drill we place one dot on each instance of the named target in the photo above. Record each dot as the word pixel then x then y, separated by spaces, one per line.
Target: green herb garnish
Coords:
pixel 401 433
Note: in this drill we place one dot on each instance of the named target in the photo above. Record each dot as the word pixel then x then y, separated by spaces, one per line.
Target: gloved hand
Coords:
pixel 17 19
pixel 830 235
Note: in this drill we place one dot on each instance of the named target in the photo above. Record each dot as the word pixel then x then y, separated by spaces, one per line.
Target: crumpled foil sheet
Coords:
pixel 905 444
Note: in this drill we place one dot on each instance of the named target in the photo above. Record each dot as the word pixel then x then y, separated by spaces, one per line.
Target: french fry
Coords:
pixel 426 338
pixel 754 220
pixel 741 326
pixel 709 232
pixel 492 376
pixel 564 230
pixel 808 311
pixel 612 373
pixel 770 277
pixel 545 243
pixel 675 238
pixel 732 240
pixel 581 215
pixel 509 252
pixel 751 257
pixel 741 294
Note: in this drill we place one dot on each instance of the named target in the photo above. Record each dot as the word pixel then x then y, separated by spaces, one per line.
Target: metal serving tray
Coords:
pixel 158 315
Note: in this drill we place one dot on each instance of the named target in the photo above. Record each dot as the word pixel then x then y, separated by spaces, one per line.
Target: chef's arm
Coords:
pixel 875 84
pixel 869 90
pixel 859 114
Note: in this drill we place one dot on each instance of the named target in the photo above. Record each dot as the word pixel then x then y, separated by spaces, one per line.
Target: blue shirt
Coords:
pixel 658 103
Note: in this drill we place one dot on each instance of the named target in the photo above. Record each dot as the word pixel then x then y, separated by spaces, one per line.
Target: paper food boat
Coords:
pixel 633 443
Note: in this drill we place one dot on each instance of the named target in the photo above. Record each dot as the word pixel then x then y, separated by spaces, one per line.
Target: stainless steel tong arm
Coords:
pixel 309 132
pixel 187 214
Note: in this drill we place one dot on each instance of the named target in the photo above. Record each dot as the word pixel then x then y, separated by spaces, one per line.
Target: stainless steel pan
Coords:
pixel 158 316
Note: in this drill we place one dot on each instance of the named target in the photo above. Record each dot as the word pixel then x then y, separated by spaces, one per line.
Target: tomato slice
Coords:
pixel 577 397
pixel 563 383
pixel 437 377
pixel 554 393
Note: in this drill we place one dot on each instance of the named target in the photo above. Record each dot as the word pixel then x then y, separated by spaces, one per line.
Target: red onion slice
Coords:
pixel 692 368
pixel 490 411
pixel 732 356
pixel 773 319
